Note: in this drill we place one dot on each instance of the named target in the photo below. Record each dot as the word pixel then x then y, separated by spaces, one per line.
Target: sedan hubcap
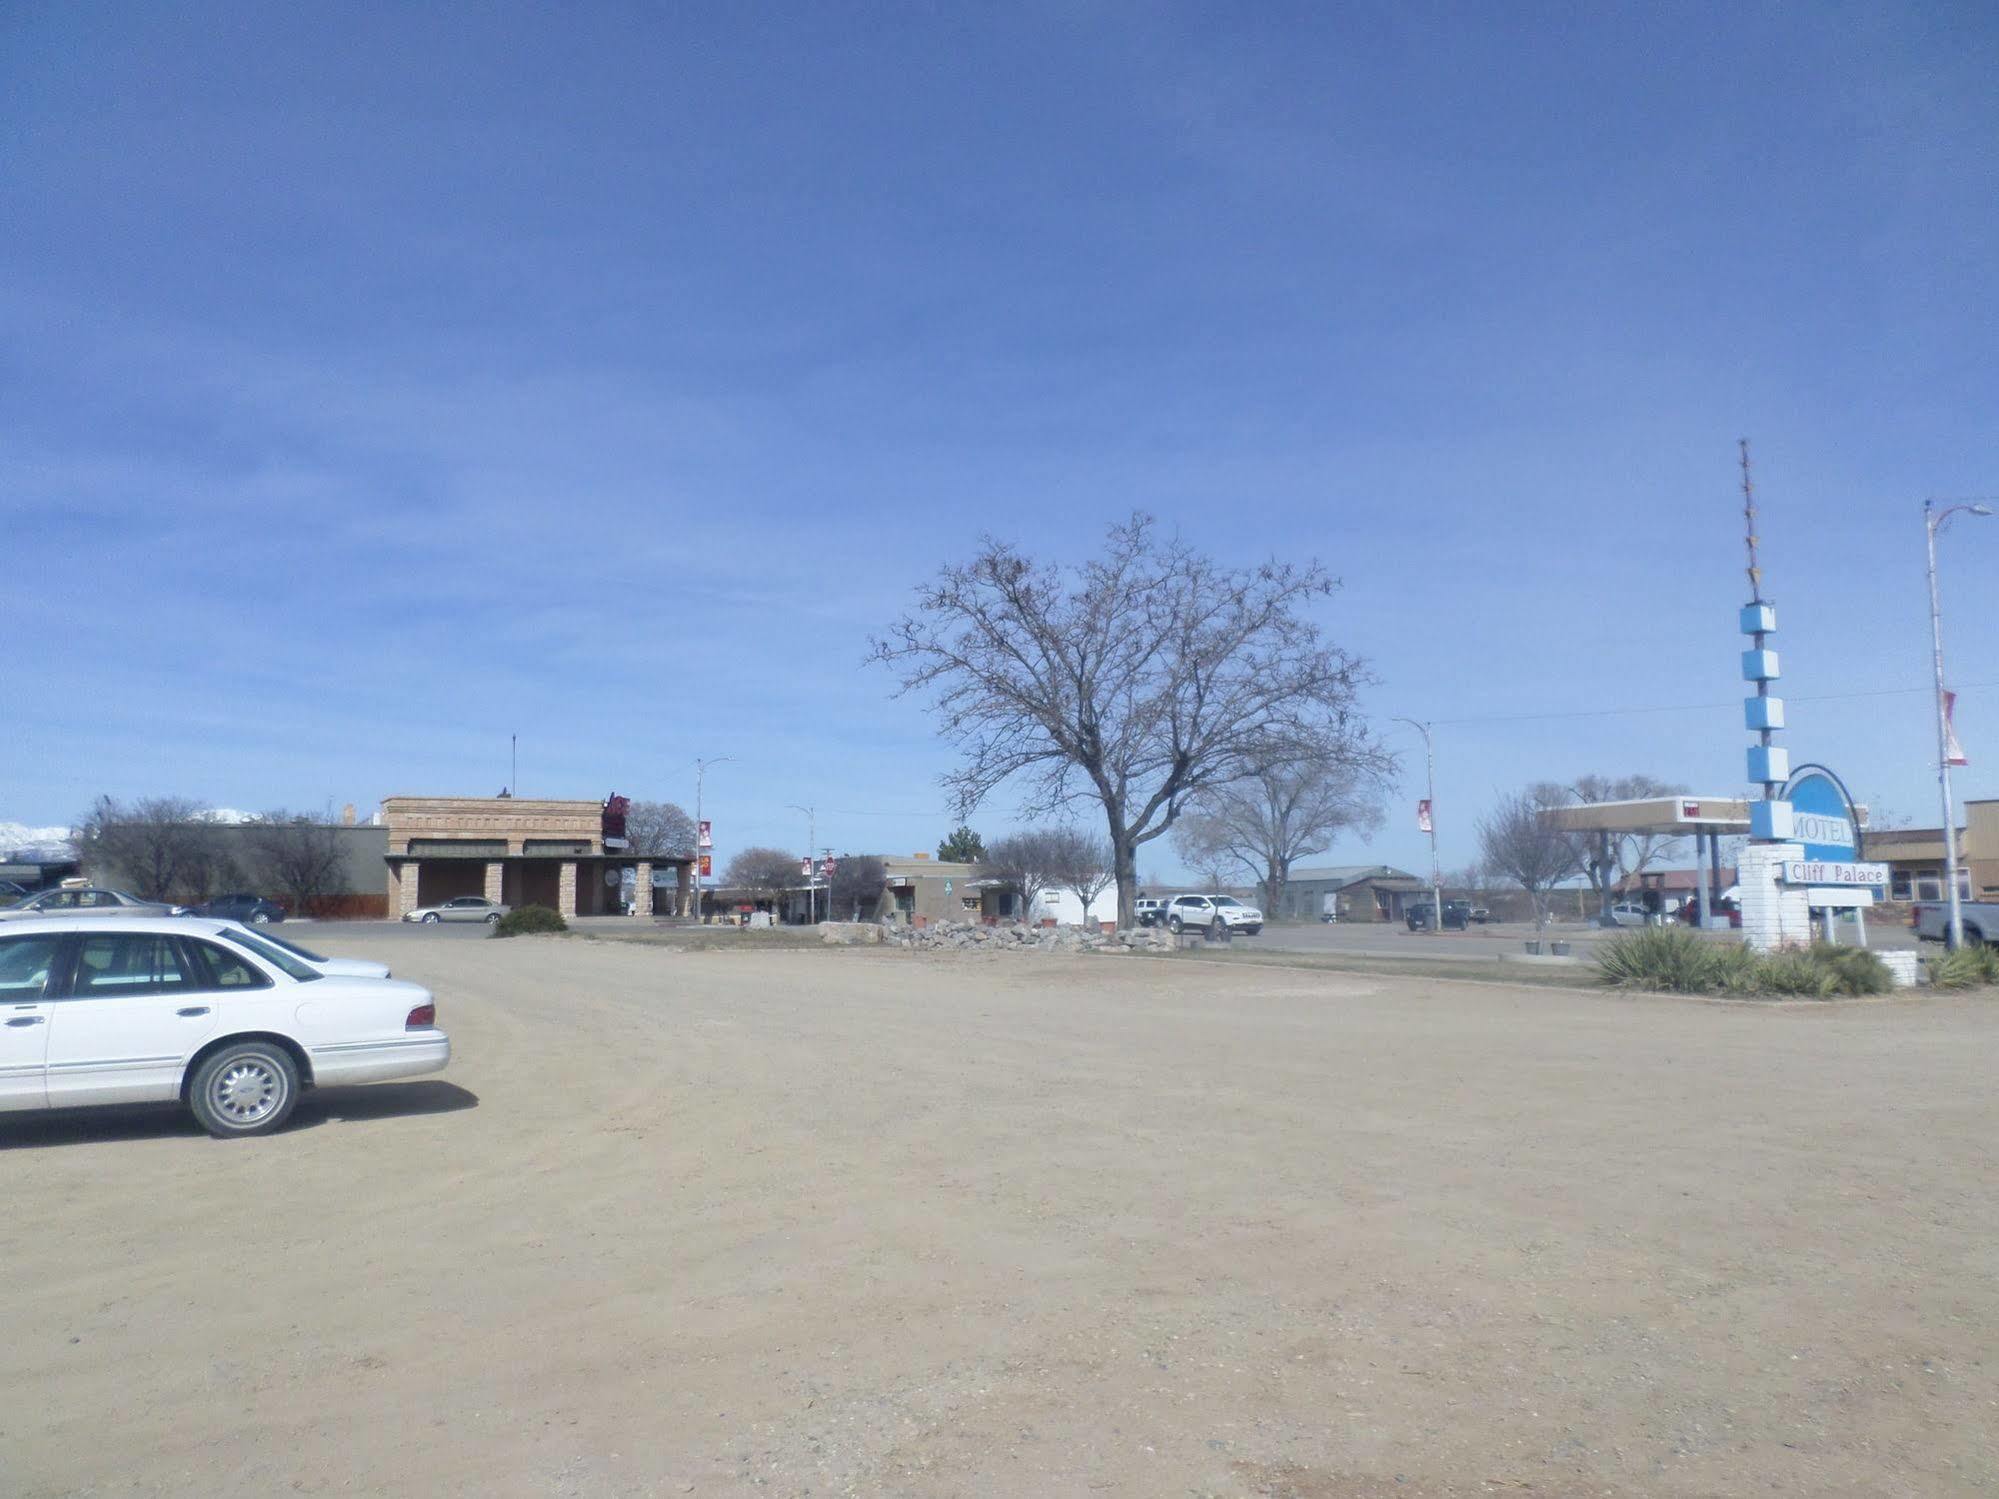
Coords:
pixel 246 1091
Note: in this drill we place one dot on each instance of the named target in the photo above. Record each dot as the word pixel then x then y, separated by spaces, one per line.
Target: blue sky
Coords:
pixel 376 382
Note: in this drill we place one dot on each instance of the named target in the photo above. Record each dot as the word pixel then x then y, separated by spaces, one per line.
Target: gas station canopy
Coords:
pixel 1658 814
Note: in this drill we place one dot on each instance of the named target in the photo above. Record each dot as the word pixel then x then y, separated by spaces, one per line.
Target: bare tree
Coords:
pixel 1136 681
pixel 156 845
pixel 1082 864
pixel 298 854
pixel 1607 858
pixel 1284 813
pixel 1028 859
pixel 1517 845
pixel 857 886
pixel 767 871
pixel 1202 843
pixel 659 828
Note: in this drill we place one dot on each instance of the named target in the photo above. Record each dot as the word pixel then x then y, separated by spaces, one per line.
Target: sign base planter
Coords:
pixel 1559 949
pixel 1532 945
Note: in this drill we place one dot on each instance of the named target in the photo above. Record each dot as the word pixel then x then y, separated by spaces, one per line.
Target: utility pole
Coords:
pixel 1934 521
pixel 811 872
pixel 700 774
pixel 1430 790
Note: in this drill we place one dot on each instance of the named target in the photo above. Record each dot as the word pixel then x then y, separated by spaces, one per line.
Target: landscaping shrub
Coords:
pixel 1660 957
pixel 523 920
pixel 1967 968
pixel 1680 962
pixel 1735 968
pixel 1859 971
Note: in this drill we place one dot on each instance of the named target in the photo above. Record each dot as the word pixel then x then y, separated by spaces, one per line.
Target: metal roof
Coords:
pixel 1349 874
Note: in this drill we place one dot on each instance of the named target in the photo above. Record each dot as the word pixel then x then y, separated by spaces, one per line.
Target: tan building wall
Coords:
pixel 1981 847
pixel 1916 855
pixel 510 818
pixel 918 887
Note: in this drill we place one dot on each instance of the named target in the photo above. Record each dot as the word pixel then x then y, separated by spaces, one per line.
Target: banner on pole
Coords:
pixel 1953 752
pixel 703 840
pixel 1423 823
pixel 805 866
pixel 707 865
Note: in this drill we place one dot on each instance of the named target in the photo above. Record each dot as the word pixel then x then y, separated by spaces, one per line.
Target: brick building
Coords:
pixel 520 851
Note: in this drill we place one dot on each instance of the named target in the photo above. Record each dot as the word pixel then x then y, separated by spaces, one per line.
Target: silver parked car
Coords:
pixel 87 898
pixel 460 908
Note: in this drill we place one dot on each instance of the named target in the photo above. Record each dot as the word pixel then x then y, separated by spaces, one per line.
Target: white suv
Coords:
pixel 1204 910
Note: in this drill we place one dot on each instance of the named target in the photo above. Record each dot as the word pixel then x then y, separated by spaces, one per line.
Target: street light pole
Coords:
pixel 1934 521
pixel 811 878
pixel 700 775
pixel 1430 789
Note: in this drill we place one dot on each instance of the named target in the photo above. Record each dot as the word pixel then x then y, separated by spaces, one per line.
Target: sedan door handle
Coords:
pixel 27 1020
pixel 192 1010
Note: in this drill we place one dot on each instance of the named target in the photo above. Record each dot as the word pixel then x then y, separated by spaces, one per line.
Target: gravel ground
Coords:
pixel 935 1224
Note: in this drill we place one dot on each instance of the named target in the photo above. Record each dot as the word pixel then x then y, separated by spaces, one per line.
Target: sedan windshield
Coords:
pixel 276 956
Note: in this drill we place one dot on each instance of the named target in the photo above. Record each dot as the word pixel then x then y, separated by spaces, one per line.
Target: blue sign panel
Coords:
pixel 1823 816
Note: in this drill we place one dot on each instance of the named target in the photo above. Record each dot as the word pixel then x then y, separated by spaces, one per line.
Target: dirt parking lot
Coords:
pixel 886 1223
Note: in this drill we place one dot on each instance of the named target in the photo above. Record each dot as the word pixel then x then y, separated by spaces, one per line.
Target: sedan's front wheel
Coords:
pixel 248 1089
pixel 430 918
pixel 262 918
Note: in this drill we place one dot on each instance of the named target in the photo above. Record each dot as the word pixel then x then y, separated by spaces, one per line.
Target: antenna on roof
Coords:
pixel 1749 523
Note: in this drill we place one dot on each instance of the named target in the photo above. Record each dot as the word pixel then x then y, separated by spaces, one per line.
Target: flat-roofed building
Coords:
pixel 523 851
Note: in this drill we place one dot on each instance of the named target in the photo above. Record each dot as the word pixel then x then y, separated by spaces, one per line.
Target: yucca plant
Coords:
pixel 1663 957
pixel 1966 968
pixel 1857 970
pixel 1799 972
pixel 1736 969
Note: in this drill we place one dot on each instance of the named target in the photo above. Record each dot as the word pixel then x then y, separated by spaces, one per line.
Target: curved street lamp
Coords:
pixel 1430 791
pixel 1934 520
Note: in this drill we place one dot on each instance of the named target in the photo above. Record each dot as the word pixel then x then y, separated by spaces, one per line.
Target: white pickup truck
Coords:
pixel 1931 919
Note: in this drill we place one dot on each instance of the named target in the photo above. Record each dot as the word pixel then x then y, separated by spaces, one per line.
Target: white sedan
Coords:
pixel 154 1009
pixel 261 940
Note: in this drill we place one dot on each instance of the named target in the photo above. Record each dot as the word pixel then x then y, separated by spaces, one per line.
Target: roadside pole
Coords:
pixel 1933 522
pixel 1430 821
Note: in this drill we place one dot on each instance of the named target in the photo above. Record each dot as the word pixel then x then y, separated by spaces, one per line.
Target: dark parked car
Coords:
pixel 1457 915
pixel 241 905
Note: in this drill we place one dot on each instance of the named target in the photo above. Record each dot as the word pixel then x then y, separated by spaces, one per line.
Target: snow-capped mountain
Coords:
pixel 17 838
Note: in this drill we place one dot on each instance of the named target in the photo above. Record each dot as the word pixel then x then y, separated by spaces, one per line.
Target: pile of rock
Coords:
pixel 965 935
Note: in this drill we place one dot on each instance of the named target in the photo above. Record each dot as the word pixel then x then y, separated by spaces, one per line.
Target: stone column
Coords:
pixel 683 889
pixel 1774 914
pixel 565 889
pixel 493 872
pixel 642 889
pixel 402 889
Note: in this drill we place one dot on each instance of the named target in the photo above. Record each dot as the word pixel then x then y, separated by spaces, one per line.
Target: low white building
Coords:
pixel 1064 909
